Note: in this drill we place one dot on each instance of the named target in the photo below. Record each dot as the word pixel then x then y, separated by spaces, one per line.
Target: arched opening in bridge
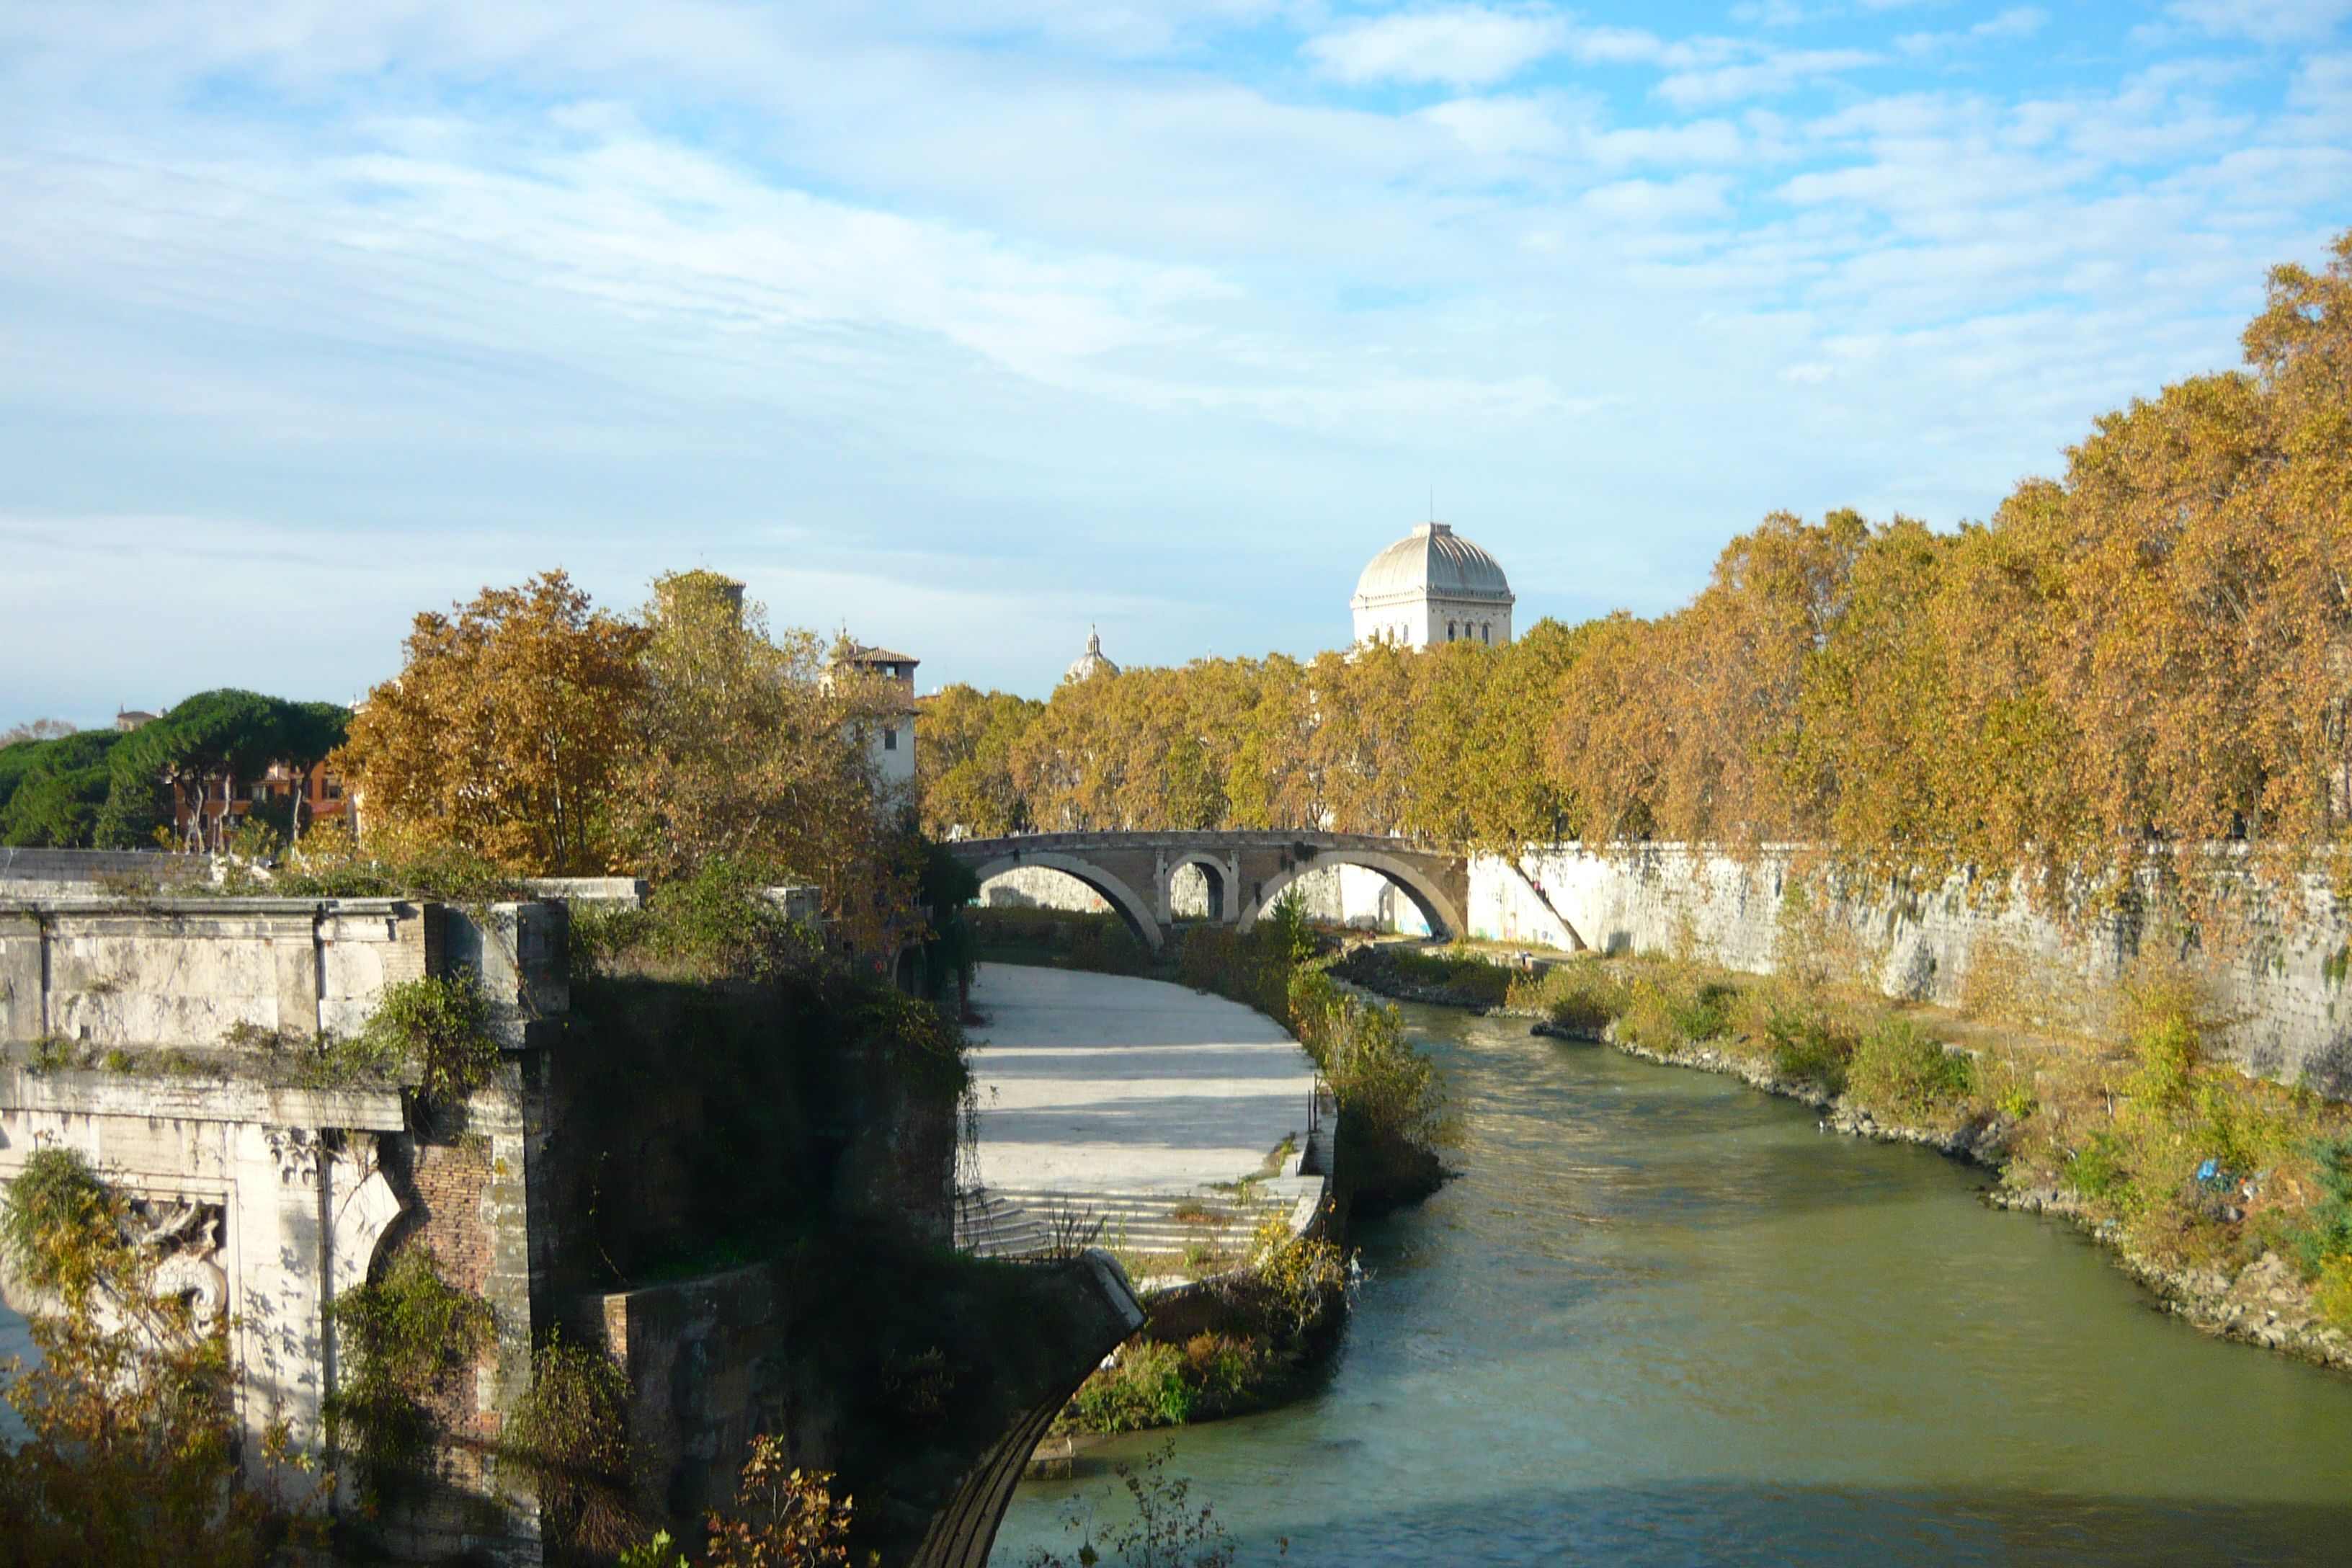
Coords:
pixel 1358 898
pixel 1047 879
pixel 1363 892
pixel 1041 888
pixel 1196 891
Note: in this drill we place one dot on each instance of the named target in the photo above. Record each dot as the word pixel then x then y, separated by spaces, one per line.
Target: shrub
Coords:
pixel 61 1226
pixel 568 1440
pixel 1807 1046
pixel 1902 1069
pixel 438 1026
pixel 1166 1532
pixel 718 924
pixel 1295 1281
pixel 2324 1237
pixel 2099 1170
pixel 784 1517
pixel 1704 1013
pixel 1582 996
pixel 1391 1090
pixel 1146 1386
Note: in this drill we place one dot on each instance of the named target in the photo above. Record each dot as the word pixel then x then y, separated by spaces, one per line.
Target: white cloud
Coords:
pixel 1462 45
pixel 1504 127
pixel 1777 72
pixel 2266 21
pixel 1043 303
pixel 2017 22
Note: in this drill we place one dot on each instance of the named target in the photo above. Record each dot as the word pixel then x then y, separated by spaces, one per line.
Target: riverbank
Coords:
pixel 1661 1321
pixel 2223 1196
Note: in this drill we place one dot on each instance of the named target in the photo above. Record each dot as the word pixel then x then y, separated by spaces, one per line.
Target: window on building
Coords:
pixel 1485 631
pixel 889 737
pixel 1449 631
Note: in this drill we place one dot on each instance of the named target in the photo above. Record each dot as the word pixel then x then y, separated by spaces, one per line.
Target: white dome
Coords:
pixel 1090 663
pixel 1435 562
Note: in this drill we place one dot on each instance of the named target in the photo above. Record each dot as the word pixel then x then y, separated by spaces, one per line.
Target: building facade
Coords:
pixel 890 737
pixel 1432 586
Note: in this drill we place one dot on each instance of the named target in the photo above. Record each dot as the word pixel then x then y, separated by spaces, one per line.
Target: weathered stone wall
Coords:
pixel 140 1034
pixel 1041 888
pixel 2278 973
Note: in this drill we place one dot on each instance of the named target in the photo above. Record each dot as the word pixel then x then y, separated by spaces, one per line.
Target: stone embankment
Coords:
pixel 2265 1303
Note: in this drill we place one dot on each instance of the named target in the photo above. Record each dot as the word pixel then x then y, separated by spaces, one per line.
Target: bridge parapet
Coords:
pixel 1247 869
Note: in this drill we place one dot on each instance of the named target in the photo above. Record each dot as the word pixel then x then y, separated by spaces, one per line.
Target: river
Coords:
pixel 1661 1319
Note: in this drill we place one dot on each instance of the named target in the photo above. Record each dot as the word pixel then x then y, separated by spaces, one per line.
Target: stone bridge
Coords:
pixel 1246 871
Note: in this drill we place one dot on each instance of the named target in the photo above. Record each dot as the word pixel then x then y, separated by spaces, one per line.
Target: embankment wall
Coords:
pixel 2277 973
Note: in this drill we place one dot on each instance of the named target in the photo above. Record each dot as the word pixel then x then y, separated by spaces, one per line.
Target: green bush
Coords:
pixel 1901 1069
pixel 2099 1170
pixel 1582 996
pixel 2323 1236
pixel 1146 1387
pixel 437 1026
pixel 715 924
pixel 61 1225
pixel 1807 1046
pixel 568 1440
pixel 1706 1013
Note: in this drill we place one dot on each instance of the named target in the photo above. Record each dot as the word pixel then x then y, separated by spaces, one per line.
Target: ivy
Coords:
pixel 402 1336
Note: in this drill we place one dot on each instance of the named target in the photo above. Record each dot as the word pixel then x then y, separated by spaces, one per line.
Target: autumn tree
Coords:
pixel 507 732
pixel 964 767
pixel 739 747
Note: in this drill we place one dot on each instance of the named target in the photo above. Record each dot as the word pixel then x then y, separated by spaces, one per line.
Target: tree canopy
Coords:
pixel 2152 650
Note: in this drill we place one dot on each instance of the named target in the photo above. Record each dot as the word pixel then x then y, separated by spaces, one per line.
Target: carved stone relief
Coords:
pixel 185 1234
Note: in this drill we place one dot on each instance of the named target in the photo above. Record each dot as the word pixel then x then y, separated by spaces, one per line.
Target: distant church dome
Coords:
pixel 1091 663
pixel 1431 586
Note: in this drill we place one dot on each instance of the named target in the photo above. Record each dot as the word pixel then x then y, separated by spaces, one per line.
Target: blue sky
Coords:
pixel 970 324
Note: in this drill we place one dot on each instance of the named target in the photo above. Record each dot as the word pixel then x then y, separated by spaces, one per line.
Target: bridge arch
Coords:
pixel 1131 906
pixel 1219 875
pixel 1436 906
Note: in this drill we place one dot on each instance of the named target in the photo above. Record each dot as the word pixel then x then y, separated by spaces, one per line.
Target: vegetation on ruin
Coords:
pixel 1277 1313
pixel 408 1340
pixel 2149 653
pixel 435 1030
pixel 130 1451
pixel 567 1441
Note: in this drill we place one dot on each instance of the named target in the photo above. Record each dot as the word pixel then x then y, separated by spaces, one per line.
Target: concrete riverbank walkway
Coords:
pixel 1174 1120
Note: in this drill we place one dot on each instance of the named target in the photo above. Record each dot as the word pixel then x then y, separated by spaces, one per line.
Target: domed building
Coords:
pixel 1432 586
pixel 1090 663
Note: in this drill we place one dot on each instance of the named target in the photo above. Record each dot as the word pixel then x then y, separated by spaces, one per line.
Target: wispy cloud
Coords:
pixel 1462 46
pixel 313 314
pixel 2266 21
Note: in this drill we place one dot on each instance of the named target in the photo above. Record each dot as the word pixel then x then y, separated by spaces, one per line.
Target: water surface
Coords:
pixel 1663 1319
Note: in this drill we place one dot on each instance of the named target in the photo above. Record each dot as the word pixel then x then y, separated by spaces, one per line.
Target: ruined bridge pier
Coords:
pixel 1246 871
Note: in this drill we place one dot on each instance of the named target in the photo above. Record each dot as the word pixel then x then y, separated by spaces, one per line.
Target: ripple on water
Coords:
pixel 1661 1319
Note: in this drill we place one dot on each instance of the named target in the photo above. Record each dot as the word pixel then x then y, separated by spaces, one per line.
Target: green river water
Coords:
pixel 1661 1319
